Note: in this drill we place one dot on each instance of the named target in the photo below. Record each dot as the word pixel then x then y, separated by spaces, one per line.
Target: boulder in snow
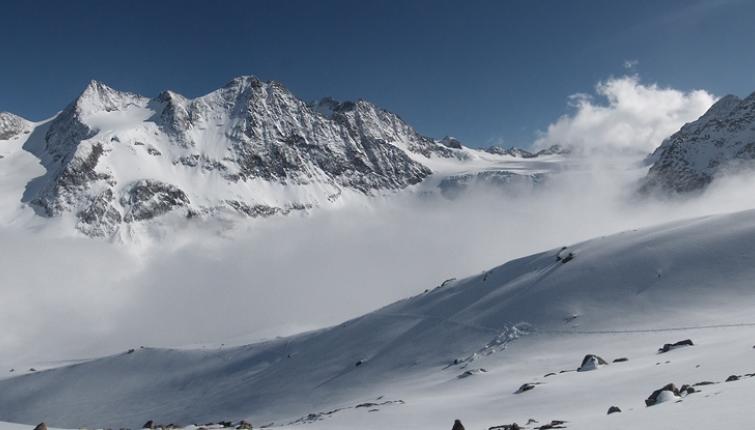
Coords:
pixel 591 362
pixel 472 372
pixel 669 346
pixel 244 425
pixel 525 387
pixel 554 424
pixel 613 410
pixel 669 392
pixel 512 426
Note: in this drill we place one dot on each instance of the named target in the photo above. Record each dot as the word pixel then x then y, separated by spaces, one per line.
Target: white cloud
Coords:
pixel 631 64
pixel 627 116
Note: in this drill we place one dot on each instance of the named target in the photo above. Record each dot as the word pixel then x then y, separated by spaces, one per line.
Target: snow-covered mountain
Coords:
pixel 113 160
pixel 722 140
pixel 12 126
pixel 492 349
pixel 523 153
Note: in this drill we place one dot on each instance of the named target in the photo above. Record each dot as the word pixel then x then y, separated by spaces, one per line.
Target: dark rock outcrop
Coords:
pixel 512 426
pixel 658 395
pixel 244 425
pixel 591 362
pixel 525 387
pixel 669 346
pixel 147 199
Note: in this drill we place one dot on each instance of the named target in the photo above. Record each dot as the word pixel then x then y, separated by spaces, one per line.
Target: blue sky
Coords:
pixel 484 71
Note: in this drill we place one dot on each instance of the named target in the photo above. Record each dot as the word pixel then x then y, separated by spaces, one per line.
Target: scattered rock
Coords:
pixel 472 372
pixel 31 369
pixel 373 404
pixel 130 351
pixel 667 393
pixel 613 410
pixel 669 346
pixel 554 424
pixel 732 378
pixel 549 374
pixel 687 390
pixel 457 425
pixel 563 256
pixel 244 425
pixel 149 425
pixel 359 363
pixel 41 426
pixel 512 426
pixel 703 383
pixel 591 362
pixel 525 387
pixel 620 360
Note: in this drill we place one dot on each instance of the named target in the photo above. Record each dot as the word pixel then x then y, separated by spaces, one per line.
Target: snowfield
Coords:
pixel 466 349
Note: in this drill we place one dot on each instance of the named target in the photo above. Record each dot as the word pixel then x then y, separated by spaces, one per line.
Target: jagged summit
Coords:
pixel 451 142
pixel 523 153
pixel 119 163
pixel 99 97
pixel 250 147
pixel 513 152
pixel 721 140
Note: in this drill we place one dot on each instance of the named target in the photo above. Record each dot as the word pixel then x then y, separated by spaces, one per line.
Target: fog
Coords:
pixel 65 298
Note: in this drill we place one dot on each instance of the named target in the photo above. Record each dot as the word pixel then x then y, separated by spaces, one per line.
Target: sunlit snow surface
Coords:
pixel 620 296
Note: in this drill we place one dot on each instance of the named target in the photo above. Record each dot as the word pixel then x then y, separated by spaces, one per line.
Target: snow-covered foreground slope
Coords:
pixel 623 295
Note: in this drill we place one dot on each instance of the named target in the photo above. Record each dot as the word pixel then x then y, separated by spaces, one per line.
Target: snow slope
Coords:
pixel 623 295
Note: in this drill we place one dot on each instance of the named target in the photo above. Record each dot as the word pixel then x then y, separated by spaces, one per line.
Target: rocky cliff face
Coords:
pixel 721 140
pixel 115 158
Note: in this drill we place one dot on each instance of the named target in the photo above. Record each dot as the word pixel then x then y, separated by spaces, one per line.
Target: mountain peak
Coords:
pixel 97 96
pixel 244 81
pixel 720 140
pixel 450 142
